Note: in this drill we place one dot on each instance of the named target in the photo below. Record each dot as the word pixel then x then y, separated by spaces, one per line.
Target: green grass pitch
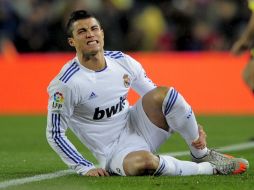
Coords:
pixel 24 152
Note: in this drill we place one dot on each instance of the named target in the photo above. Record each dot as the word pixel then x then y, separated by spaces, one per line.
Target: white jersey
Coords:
pixel 93 105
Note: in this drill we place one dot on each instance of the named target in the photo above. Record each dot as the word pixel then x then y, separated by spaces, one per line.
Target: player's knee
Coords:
pixel 140 163
pixel 156 96
pixel 152 105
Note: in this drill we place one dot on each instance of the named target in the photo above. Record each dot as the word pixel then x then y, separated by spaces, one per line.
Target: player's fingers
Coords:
pixel 103 172
pixel 196 144
pixel 106 173
pixel 94 174
pixel 202 142
pixel 199 145
pixel 100 173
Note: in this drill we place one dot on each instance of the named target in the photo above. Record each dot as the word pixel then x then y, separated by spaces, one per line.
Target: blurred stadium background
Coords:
pixel 130 25
pixel 181 43
pixel 195 37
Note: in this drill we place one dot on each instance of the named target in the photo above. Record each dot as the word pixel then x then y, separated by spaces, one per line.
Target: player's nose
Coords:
pixel 89 34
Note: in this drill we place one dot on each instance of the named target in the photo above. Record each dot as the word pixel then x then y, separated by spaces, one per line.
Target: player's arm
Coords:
pixel 245 41
pixel 60 109
pixel 141 82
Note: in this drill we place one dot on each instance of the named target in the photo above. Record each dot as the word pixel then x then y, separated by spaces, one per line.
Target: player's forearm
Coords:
pixel 56 128
pixel 68 153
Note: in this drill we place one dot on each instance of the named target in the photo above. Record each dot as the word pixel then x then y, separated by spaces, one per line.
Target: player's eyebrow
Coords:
pixel 86 28
pixel 95 26
pixel 82 29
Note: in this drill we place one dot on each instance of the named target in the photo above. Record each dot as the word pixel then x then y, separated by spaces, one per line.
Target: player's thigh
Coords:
pixel 128 143
pixel 153 135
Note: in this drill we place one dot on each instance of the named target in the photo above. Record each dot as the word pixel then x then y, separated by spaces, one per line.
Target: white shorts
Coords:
pixel 139 134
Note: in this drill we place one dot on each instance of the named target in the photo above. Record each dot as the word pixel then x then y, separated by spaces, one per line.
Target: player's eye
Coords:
pixel 81 31
pixel 95 28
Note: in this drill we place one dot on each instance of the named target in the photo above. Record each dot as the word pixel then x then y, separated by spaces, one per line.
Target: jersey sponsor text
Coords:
pixel 108 112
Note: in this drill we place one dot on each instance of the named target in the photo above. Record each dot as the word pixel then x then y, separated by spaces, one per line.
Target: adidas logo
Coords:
pixel 93 95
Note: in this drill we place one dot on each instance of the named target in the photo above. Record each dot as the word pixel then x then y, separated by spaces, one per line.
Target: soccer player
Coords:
pixel 89 96
pixel 244 43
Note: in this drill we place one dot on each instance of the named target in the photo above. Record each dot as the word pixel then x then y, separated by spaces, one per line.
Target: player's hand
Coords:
pixel 201 142
pixel 97 172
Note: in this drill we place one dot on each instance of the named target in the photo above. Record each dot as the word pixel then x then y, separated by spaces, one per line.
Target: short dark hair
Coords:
pixel 77 15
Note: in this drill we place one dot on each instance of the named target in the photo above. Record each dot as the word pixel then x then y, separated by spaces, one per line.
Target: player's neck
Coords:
pixel 95 62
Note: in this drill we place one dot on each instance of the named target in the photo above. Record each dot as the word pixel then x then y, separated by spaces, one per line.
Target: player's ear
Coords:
pixel 71 42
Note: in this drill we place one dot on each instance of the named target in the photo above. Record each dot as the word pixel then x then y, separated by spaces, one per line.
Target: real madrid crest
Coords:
pixel 126 80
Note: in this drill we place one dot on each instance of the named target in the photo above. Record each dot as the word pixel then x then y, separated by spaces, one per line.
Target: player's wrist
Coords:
pixel 82 170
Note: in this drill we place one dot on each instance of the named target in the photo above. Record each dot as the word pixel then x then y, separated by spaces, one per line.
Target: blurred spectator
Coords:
pixel 8 23
pixel 150 25
pixel 245 43
pixel 130 25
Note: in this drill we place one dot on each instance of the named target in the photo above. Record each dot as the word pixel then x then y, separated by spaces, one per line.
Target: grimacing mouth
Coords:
pixel 92 41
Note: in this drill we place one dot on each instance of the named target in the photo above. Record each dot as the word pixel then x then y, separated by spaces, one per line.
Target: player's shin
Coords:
pixel 170 166
pixel 181 118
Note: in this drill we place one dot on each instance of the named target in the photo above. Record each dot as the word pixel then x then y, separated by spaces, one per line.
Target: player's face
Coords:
pixel 88 37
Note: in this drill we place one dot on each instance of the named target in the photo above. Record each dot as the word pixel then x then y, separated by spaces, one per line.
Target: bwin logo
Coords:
pixel 99 114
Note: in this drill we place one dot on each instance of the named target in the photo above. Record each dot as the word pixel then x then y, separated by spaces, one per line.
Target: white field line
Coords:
pixel 61 173
pixel 235 147
pixel 41 177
